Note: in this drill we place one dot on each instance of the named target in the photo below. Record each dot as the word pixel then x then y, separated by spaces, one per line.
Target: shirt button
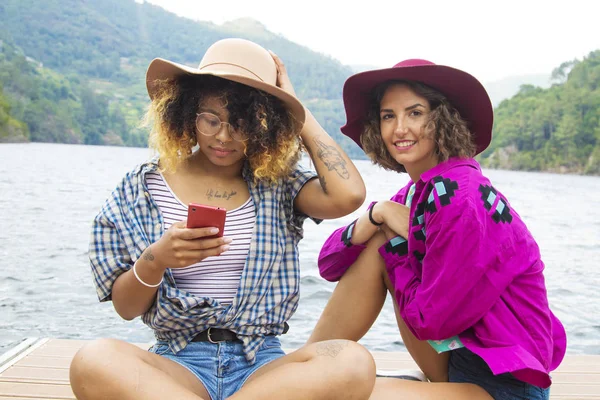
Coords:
pixel 146 194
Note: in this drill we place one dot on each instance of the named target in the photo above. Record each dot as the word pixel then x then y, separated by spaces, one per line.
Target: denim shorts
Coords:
pixel 467 367
pixel 222 367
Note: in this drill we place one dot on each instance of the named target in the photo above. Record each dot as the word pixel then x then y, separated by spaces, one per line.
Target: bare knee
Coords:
pixel 94 356
pixel 353 366
pixel 360 363
pixel 91 365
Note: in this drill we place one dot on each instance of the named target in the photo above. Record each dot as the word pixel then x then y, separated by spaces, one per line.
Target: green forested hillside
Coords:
pixel 554 129
pixel 11 129
pixel 54 108
pixel 98 51
pixel 72 71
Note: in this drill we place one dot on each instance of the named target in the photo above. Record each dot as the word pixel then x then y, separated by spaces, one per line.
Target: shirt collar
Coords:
pixel 447 165
pixel 146 166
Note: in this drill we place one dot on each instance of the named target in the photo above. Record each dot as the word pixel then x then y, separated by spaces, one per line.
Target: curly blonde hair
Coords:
pixel 273 146
pixel 445 126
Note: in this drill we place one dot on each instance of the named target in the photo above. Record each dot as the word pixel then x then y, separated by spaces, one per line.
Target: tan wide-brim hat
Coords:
pixel 237 60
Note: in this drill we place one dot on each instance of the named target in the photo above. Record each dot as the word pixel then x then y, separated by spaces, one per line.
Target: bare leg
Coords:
pixel 356 303
pixel 395 389
pixel 357 299
pixel 112 369
pixel 433 365
pixel 336 369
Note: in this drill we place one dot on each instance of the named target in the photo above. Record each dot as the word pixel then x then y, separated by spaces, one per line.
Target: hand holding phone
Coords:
pixel 201 216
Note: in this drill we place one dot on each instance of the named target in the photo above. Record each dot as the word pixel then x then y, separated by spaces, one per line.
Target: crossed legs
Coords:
pixel 113 369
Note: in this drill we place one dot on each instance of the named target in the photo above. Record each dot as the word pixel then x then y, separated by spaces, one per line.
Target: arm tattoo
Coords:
pixel 332 158
pixel 148 256
pixel 210 193
pixel 331 348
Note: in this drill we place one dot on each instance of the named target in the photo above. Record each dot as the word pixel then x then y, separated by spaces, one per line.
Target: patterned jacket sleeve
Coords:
pixel 464 272
pixel 338 254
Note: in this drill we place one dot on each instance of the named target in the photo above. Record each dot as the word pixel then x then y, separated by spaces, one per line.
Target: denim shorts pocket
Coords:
pixel 271 342
pixel 537 393
pixel 159 348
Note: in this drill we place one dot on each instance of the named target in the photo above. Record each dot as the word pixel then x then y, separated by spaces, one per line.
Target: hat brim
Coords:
pixel 160 69
pixel 463 91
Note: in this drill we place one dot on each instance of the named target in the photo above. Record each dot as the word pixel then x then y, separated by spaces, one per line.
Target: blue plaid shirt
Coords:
pixel 269 288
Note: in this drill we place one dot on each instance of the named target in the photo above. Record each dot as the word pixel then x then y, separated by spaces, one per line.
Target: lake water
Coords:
pixel 50 193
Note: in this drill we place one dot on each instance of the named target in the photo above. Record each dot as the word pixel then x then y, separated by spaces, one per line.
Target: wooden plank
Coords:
pixel 44 362
pixel 16 373
pixel 573 397
pixel 56 352
pixel 583 378
pixel 576 391
pixel 36 390
pixel 592 367
pixel 17 350
pixel 18 398
pixel 75 343
pixel 20 351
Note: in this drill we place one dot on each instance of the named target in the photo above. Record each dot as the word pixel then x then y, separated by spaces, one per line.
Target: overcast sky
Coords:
pixel 489 39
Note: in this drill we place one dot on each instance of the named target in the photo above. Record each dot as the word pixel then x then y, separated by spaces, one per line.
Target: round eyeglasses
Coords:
pixel 209 125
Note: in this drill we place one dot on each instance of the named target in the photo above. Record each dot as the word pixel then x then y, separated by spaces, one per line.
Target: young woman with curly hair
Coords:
pixel 463 269
pixel 272 151
pixel 229 134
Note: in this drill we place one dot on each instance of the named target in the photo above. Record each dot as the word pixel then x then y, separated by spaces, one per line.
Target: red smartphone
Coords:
pixel 201 216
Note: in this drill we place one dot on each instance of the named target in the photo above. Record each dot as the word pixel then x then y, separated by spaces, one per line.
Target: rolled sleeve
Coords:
pixel 108 255
pixel 300 176
pixel 338 254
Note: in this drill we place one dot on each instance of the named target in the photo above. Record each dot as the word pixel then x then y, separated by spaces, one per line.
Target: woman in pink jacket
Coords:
pixel 462 267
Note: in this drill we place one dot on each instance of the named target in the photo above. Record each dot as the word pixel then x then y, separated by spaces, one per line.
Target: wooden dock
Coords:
pixel 39 369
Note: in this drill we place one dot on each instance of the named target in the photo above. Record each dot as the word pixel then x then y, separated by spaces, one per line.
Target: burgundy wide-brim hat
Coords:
pixel 463 91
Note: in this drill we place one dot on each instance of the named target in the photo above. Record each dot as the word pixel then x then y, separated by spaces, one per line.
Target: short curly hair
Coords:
pixel 273 146
pixel 448 129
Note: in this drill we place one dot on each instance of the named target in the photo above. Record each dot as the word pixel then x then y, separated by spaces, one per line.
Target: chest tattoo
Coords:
pixel 220 194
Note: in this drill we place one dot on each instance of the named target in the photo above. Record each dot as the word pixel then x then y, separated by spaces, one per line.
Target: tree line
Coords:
pixel 554 129
pixel 79 78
